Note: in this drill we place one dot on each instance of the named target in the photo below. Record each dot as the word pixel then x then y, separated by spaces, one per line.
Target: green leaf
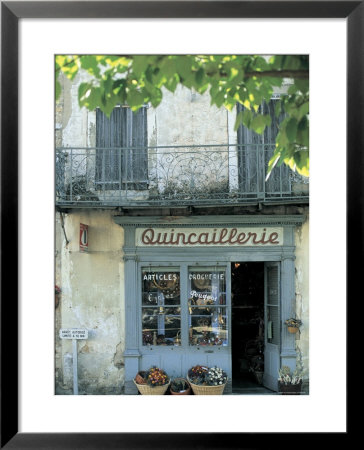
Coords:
pixel 303 109
pixel 247 117
pixel 200 74
pixel 291 129
pixel 168 66
pixel 302 85
pixel 277 108
pixel 293 89
pixel 90 64
pixel 219 98
pixel 139 64
pixel 183 66
pixel 156 98
pixel 134 99
pixel 107 106
pixel 172 83
pixel 258 124
pixel 83 91
pixel 92 100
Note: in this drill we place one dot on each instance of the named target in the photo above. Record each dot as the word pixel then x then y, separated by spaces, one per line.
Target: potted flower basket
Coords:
pixel 289 389
pixel 140 377
pixel 293 325
pixel 155 382
pixel 290 383
pixel 180 386
pixel 207 381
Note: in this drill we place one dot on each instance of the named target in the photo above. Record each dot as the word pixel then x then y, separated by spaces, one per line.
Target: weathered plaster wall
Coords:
pixel 58 302
pixel 302 292
pixel 75 120
pixel 92 298
pixel 186 118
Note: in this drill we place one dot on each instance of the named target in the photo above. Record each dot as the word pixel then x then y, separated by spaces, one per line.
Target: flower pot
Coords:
pixel 139 378
pixel 292 330
pixel 290 389
pixel 185 392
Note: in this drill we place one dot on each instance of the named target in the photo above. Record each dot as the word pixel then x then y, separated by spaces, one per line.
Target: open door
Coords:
pixel 272 324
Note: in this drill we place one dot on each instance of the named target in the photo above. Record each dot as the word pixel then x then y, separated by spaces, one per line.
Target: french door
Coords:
pixel 272 300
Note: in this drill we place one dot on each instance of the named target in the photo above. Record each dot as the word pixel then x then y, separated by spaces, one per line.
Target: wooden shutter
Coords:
pixel 139 155
pixel 109 140
pixel 254 153
pixel 118 164
pixel 278 181
pixel 250 160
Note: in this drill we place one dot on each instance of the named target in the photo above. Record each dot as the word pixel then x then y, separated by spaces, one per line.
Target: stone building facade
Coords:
pixel 193 178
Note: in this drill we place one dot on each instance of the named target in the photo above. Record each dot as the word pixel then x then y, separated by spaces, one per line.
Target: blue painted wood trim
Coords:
pixel 204 221
pixel 288 309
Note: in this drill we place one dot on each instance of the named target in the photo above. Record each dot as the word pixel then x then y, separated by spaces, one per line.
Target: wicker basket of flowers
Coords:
pixel 207 381
pixel 157 382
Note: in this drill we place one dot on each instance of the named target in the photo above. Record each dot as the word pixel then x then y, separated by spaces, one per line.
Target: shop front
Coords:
pixel 209 290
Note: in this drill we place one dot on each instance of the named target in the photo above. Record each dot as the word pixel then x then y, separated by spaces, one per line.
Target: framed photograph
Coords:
pixel 162 218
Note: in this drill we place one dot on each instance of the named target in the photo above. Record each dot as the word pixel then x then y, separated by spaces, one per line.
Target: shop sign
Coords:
pixel 83 237
pixel 201 237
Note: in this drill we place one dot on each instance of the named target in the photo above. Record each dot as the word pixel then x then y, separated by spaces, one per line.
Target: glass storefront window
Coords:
pixel 207 316
pixel 205 306
pixel 161 311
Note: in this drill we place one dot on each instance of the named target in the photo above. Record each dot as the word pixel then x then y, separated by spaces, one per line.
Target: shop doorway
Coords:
pixel 247 316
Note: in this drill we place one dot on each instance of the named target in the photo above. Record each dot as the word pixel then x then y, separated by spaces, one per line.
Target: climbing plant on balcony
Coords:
pixel 229 79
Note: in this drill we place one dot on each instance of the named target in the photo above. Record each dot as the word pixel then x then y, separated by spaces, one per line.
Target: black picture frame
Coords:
pixel 11 12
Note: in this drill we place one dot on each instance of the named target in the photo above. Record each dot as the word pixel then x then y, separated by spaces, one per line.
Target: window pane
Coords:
pixel 161 312
pixel 207 316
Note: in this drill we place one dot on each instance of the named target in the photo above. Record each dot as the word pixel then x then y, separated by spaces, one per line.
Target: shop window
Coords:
pixel 207 311
pixel 200 317
pixel 161 309
pixel 121 149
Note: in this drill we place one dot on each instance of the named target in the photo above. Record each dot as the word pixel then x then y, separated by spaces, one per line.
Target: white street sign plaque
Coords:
pixel 73 333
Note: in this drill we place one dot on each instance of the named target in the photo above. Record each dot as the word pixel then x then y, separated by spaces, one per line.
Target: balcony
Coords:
pixel 173 176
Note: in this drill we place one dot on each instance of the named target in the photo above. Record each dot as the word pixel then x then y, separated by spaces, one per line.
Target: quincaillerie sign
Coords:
pixel 201 237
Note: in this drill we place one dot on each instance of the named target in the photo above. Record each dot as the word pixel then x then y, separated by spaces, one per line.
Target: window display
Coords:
pixel 207 306
pixel 204 318
pixel 161 311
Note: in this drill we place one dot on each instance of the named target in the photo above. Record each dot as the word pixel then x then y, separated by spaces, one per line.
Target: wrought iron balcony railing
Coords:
pixel 173 176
